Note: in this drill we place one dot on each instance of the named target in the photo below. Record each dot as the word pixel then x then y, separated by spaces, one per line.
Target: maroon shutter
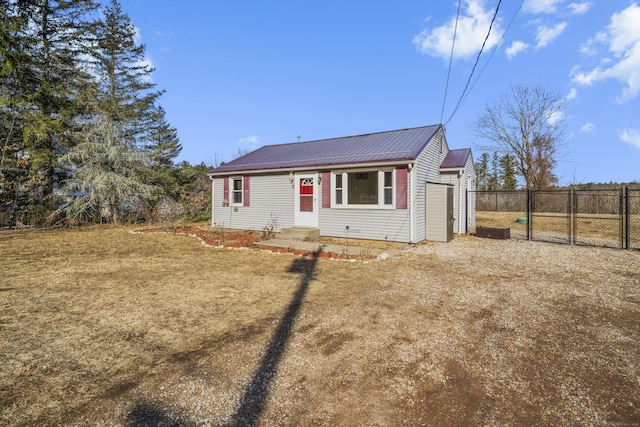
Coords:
pixel 401 188
pixel 226 189
pixel 245 191
pixel 326 189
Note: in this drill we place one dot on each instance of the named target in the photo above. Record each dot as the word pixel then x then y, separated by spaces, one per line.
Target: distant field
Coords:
pixel 599 227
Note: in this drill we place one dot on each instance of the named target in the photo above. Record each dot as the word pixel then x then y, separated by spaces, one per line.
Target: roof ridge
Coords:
pixel 350 136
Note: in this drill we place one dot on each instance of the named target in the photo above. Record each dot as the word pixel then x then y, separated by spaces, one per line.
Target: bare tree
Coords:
pixel 525 123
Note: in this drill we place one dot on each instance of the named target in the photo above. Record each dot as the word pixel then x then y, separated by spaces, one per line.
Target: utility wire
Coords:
pixel 475 64
pixel 493 51
pixel 453 45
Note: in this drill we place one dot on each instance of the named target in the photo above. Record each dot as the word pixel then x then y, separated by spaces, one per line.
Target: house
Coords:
pixel 402 185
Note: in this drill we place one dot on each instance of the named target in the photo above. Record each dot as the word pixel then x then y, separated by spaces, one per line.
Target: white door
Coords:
pixel 306 203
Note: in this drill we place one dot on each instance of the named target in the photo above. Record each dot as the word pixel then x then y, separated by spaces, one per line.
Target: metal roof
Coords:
pixel 389 146
pixel 456 159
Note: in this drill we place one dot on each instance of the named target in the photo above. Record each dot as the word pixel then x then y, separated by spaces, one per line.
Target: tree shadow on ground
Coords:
pixel 255 394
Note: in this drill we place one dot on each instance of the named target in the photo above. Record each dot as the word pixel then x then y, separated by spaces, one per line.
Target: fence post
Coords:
pixel 572 219
pixel 627 218
pixel 528 214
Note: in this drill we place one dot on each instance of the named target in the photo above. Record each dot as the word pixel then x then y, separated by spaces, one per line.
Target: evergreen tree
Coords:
pixel 53 35
pixel 126 92
pixel 482 171
pixel 107 175
pixel 12 58
pixel 110 162
pixel 493 180
pixel 508 172
pixel 163 145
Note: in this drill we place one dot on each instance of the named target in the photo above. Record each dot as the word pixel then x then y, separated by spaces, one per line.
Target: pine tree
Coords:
pixel 163 145
pixel 493 180
pixel 107 175
pixel 482 171
pixel 110 162
pixel 508 172
pixel 12 58
pixel 53 37
pixel 125 93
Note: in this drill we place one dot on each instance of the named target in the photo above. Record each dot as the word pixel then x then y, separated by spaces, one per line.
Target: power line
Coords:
pixel 493 51
pixel 476 63
pixel 453 44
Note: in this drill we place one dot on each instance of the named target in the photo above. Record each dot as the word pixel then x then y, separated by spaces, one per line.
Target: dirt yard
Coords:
pixel 103 327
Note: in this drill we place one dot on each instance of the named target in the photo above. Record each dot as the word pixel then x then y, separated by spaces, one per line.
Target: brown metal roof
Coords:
pixel 456 159
pixel 397 145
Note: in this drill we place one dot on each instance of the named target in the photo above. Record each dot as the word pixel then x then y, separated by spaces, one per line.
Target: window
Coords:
pixel 364 188
pixel 236 191
pixel 388 188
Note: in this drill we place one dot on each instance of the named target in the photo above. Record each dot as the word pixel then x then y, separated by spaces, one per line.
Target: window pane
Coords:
pixel 388 182
pixel 237 197
pixel 339 181
pixel 388 188
pixel 237 185
pixel 363 188
pixel 339 196
pixel 388 196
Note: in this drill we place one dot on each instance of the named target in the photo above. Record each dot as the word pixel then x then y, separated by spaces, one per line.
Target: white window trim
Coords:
pixel 345 189
pixel 232 192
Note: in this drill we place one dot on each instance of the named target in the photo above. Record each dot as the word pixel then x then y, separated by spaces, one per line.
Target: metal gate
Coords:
pixel 598 218
pixel 549 218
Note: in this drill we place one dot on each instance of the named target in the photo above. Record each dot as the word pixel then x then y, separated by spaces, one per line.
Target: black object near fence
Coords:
pixel 609 218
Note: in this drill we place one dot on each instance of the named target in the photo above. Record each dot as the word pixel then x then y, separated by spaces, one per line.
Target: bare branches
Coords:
pixel 525 123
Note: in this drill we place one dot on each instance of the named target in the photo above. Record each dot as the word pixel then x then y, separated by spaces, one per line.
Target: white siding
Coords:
pixel 463 181
pixel 427 169
pixel 374 224
pixel 453 179
pixel 470 182
pixel 271 201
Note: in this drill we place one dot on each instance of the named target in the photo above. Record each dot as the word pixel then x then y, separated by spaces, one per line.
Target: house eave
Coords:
pixel 342 166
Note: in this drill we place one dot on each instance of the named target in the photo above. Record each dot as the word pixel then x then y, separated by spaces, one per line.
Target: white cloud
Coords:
pixel 546 35
pixel 541 6
pixel 588 128
pixel 580 8
pixel 622 36
pixel 250 142
pixel 515 48
pixel 473 25
pixel 573 94
pixel 555 117
pixel 630 136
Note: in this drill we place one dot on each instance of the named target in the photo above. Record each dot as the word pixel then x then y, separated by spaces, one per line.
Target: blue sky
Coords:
pixel 243 74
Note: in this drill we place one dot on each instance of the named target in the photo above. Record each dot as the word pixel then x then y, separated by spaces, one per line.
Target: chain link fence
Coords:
pixel 633 219
pixel 609 218
pixel 549 218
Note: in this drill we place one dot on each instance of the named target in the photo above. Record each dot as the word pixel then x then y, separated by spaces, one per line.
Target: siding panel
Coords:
pixel 374 224
pixel 427 169
pixel 271 204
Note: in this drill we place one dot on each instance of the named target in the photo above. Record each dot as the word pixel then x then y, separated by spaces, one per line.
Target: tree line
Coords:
pixel 83 136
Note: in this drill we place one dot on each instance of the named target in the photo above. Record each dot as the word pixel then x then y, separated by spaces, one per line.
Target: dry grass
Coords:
pixel 103 327
pixel 587 226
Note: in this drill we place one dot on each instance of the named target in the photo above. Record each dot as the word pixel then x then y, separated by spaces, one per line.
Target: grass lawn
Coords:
pixel 99 326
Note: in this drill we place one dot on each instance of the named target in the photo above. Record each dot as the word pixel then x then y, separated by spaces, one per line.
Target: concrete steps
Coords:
pixel 302 234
